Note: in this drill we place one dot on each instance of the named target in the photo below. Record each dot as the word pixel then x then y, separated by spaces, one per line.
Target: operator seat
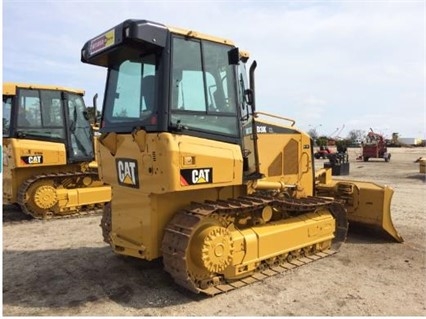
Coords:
pixel 148 91
pixel 219 100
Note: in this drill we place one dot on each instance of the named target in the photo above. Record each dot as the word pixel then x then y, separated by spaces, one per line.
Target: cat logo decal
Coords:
pixel 127 172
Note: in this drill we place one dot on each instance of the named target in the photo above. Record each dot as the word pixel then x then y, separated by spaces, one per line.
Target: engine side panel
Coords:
pixel 25 158
pixel 155 175
pixel 285 156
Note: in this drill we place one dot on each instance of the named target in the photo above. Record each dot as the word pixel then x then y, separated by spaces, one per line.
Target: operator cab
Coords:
pixel 163 79
pixel 48 114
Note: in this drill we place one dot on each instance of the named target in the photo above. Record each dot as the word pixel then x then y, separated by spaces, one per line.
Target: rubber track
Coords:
pixel 178 234
pixel 85 211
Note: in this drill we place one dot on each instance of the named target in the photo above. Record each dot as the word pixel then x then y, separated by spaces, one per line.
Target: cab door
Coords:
pixel 80 133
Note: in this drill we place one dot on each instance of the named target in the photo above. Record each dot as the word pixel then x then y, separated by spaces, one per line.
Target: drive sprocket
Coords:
pixel 216 249
pixel 45 197
pixel 40 198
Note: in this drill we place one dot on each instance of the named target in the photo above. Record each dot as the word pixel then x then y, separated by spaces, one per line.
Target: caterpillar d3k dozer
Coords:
pixel 48 152
pixel 224 194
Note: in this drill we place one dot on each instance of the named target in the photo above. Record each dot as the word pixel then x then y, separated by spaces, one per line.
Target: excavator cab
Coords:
pixel 47 148
pixel 198 177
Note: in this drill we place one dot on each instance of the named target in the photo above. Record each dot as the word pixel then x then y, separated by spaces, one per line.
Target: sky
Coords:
pixel 332 66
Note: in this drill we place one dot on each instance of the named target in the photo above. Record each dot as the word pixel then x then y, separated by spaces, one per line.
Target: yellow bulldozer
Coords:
pixel 226 195
pixel 48 152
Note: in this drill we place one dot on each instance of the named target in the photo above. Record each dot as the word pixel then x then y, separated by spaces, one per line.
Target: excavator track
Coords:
pixel 43 205
pixel 240 212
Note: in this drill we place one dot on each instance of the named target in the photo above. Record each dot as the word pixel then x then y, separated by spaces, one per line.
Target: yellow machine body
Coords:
pixel 285 156
pixel 39 173
pixel 225 194
pixel 15 171
pixel 150 189
pixel 366 203
pixel 276 240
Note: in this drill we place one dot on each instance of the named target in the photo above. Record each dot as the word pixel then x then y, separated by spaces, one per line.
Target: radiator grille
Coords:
pixel 276 167
pixel 291 157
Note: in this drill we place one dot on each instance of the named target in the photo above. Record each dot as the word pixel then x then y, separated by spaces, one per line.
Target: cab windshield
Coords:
pixel 193 90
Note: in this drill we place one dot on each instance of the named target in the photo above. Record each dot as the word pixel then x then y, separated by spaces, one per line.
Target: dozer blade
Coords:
pixel 367 204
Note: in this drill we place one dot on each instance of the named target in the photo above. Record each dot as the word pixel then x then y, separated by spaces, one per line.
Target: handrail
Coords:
pixel 277 116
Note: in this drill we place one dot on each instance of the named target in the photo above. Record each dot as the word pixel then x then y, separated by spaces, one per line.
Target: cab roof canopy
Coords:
pixel 130 32
pixel 10 88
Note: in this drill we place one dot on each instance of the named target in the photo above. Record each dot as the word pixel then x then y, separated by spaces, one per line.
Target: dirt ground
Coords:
pixel 63 268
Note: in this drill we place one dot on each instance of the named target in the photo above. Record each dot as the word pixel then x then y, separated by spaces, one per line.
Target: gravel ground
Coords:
pixel 63 268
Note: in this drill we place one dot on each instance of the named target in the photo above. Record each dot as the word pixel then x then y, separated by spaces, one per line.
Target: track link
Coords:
pixel 57 179
pixel 178 235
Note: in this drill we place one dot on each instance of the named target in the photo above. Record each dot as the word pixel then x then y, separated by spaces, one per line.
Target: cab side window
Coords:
pixel 29 113
pixel 79 127
pixel 203 96
pixel 40 113
pixel 7 110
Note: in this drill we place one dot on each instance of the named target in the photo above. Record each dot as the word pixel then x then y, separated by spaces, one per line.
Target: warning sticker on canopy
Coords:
pixel 102 42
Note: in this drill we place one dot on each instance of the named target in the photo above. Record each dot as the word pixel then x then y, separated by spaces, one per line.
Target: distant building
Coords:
pixel 410 141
